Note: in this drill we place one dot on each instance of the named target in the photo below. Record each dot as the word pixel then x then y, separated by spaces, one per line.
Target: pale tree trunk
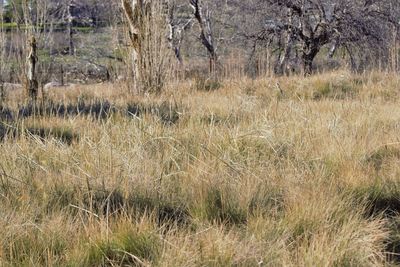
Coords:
pixel 150 54
pixel 288 45
pixel 70 30
pixel 333 48
pixel 136 70
pixel 32 83
pixel 394 51
pixel 133 13
pixel 286 54
pixel 174 36
pixel 176 32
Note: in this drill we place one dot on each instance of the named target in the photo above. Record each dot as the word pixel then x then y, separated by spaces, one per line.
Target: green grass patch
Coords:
pixel 126 247
pixel 221 208
pixel 381 155
pixel 335 90
pixel 206 84
pixel 32 246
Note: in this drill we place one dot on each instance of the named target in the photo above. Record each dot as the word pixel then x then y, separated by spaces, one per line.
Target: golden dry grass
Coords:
pixel 271 172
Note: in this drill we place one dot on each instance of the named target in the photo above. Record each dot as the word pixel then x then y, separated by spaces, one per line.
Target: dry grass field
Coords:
pixel 284 171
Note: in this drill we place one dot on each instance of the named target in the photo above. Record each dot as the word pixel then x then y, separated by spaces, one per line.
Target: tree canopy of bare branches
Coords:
pixel 307 26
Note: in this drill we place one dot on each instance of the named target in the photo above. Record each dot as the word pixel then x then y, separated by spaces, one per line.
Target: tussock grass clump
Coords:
pixel 59 197
pixel 393 243
pixel 381 155
pixel 336 89
pixel 28 245
pixel 220 207
pixel 104 202
pixel 167 112
pixel 202 83
pixel 165 211
pixel 127 246
pixel 267 200
pixel 122 250
pixel 225 120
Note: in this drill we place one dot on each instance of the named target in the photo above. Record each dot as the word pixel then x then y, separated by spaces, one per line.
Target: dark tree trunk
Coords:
pixel 178 55
pixel 308 65
pixel 206 32
pixel 309 54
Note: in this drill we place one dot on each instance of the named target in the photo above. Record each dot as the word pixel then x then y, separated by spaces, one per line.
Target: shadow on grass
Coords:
pixel 393 244
pixel 168 113
pixel 13 131
pixel 97 109
pixel 110 203
pixel 63 135
pixel 168 213
pixel 381 199
pixel 384 201
pixel 6 114
pixel 223 209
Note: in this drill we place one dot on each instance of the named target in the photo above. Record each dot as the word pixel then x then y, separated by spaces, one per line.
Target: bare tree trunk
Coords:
pixel 309 53
pixel 288 45
pixel 353 64
pixel 2 92
pixel 333 48
pixel 2 47
pixel 173 38
pixel 147 23
pixel 62 75
pixel 133 10
pixel 307 65
pixel 70 30
pixel 206 32
pixel 286 54
pixel 394 51
pixel 32 83
pixel 176 31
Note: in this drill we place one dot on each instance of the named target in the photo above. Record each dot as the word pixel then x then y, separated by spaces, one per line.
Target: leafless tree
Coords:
pixel 32 85
pixel 69 18
pixel 306 26
pixel 178 24
pixel 148 29
pixel 32 32
pixel 203 17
